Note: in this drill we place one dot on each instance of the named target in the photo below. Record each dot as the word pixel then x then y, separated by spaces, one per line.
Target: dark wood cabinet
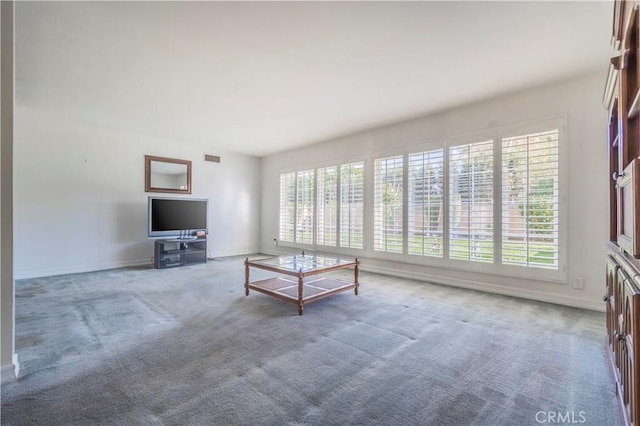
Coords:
pixel 628 342
pixel 628 195
pixel 622 301
pixel 610 298
pixel 622 286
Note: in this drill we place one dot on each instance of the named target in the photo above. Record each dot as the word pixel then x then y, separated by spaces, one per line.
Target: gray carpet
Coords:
pixel 185 346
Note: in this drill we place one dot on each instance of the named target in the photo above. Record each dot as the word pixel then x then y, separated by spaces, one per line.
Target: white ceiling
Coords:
pixel 262 77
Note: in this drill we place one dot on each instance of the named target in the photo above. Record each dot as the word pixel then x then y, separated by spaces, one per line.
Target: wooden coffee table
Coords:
pixel 300 285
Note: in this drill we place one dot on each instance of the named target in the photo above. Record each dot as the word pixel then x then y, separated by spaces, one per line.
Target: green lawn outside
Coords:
pixel 513 252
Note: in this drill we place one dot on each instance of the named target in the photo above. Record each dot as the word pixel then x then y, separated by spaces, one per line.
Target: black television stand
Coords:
pixel 179 252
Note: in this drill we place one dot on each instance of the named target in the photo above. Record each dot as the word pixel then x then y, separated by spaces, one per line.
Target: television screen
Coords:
pixel 176 217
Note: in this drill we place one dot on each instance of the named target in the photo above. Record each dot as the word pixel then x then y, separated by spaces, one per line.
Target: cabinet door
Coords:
pixel 628 209
pixel 610 300
pixel 618 21
pixel 619 323
pixel 614 168
pixel 629 340
pixel 630 91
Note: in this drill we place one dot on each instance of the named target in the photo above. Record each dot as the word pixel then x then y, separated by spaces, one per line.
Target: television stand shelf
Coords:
pixel 179 252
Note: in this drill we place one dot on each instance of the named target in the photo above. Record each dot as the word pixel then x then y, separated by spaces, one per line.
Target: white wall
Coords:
pixel 80 203
pixel 579 100
pixel 9 359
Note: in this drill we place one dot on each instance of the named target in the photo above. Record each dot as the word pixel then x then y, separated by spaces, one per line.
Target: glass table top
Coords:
pixel 304 262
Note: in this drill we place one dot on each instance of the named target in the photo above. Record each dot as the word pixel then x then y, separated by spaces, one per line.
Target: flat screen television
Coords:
pixel 177 217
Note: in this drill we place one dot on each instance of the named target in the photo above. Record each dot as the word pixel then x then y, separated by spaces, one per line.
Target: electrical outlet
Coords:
pixel 578 283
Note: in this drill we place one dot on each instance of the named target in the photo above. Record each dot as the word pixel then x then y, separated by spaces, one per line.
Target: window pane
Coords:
pixel 352 205
pixel 388 201
pixel 530 200
pixel 304 207
pixel 287 205
pixel 327 206
pixel 471 202
pixel 425 204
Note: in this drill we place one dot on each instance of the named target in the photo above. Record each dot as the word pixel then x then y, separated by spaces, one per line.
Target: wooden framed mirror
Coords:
pixel 167 175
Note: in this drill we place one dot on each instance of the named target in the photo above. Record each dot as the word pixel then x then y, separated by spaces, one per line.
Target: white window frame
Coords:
pixel 496 134
pixel 437 249
pixel 284 228
pixel 381 208
pixel 542 274
pixel 321 213
pixel 337 248
pixel 296 216
pixel 341 211
pixel 305 210
pixel 474 256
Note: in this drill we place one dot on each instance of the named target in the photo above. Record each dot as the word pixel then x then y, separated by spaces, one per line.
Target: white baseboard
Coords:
pixel 490 288
pixel 10 373
pixel 242 252
pixel 78 269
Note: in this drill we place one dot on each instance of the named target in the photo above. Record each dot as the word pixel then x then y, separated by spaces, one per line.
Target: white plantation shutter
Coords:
pixel 426 203
pixel 327 206
pixel 471 202
pixel 445 203
pixel 352 205
pixel 305 207
pixel 388 204
pixel 530 200
pixel 287 205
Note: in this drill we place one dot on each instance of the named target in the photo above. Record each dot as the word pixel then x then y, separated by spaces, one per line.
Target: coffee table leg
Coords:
pixel 246 276
pixel 300 292
pixel 355 277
